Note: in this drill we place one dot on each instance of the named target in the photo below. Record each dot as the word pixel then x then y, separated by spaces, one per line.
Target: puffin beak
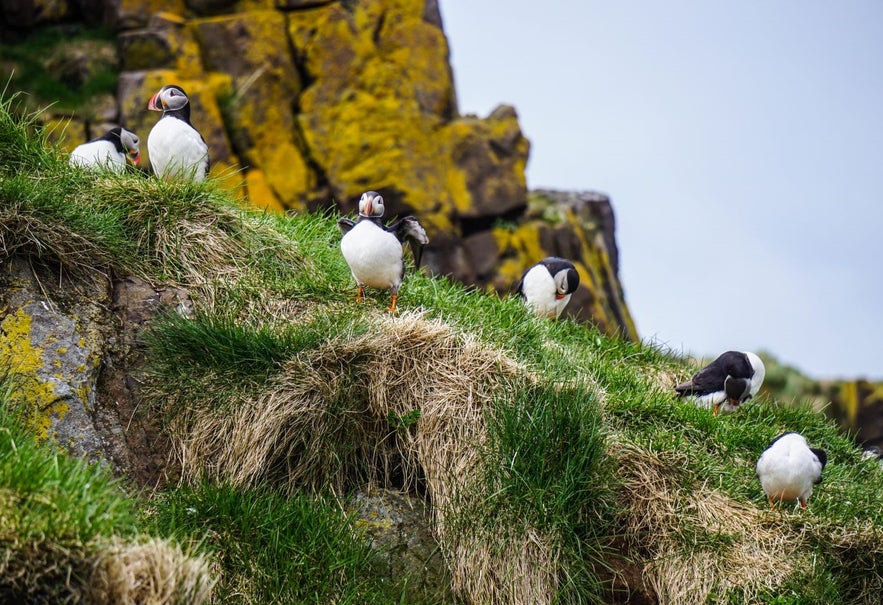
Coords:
pixel 135 156
pixel 559 296
pixel 368 204
pixel 154 104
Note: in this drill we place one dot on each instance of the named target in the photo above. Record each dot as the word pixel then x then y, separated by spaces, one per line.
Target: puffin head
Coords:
pixel 759 371
pixel 130 143
pixel 168 98
pixel 566 282
pixel 371 204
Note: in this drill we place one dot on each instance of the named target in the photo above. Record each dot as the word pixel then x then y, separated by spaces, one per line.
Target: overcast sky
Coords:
pixel 741 144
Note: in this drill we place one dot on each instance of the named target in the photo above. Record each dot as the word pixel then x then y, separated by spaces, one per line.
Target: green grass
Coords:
pixel 545 467
pixel 272 549
pixel 54 511
pixel 56 496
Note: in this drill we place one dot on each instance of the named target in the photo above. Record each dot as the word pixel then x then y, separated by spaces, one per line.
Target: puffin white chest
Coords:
pixel 99 154
pixel 176 149
pixel 538 287
pixel 373 255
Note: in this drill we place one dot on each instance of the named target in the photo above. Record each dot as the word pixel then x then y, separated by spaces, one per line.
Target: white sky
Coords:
pixel 741 144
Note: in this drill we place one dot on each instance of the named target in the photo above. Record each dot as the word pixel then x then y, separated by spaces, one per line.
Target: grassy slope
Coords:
pixel 587 451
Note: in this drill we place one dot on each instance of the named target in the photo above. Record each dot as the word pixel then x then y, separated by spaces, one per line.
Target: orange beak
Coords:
pixel 559 296
pixel 368 205
pixel 135 156
pixel 155 104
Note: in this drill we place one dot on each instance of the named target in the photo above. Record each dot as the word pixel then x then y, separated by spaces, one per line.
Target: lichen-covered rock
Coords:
pixel 398 525
pixel 132 14
pixel 492 154
pixel 53 351
pixel 266 85
pixel 858 406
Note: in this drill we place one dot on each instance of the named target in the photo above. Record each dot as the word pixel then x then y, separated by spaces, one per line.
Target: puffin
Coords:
pixel 109 151
pixel 175 148
pixel 373 250
pixel 727 382
pixel 788 469
pixel 548 285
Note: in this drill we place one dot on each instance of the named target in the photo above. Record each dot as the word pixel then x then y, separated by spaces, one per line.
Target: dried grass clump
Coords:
pixel 757 552
pixel 148 573
pixel 122 573
pixel 40 571
pixel 404 404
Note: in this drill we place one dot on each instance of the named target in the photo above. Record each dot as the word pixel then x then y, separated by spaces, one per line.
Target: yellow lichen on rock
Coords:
pixel 25 361
pixel 259 193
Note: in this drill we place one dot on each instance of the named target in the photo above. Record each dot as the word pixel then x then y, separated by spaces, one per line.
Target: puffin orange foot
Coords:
pixel 392 306
pixel 360 295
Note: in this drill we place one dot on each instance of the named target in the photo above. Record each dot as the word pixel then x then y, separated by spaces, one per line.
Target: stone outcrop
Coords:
pixel 307 104
pixel 72 349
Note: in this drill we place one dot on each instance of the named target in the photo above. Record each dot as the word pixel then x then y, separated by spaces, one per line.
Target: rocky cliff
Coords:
pixel 306 104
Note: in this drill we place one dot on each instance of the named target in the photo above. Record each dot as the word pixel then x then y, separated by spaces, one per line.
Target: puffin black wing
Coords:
pixel 407 229
pixel 711 378
pixel 345 224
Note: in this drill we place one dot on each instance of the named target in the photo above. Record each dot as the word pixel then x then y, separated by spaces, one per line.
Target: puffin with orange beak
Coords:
pixel 374 251
pixel 726 383
pixel 547 286
pixel 109 151
pixel 175 148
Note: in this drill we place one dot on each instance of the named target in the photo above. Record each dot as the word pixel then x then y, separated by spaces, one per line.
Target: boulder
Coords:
pixel 265 88
pixel 53 348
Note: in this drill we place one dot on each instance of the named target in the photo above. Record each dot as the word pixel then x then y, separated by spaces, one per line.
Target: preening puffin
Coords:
pixel 788 469
pixel 724 384
pixel 175 148
pixel 373 250
pixel 547 286
pixel 109 151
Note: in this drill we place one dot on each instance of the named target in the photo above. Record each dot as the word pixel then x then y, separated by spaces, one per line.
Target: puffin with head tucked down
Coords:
pixel 788 469
pixel 175 148
pixel 373 250
pixel 547 286
pixel 727 382
pixel 109 151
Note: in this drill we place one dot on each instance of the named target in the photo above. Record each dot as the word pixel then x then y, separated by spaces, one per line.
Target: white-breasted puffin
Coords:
pixel 175 148
pixel 547 286
pixel 373 250
pixel 727 382
pixel 109 151
pixel 788 469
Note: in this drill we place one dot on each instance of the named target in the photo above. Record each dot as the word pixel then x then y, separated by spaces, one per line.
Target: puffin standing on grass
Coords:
pixel 373 250
pixel 109 151
pixel 727 382
pixel 175 148
pixel 788 469
pixel 547 286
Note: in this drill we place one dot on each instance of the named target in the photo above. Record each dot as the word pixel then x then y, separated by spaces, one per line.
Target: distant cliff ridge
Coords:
pixel 306 104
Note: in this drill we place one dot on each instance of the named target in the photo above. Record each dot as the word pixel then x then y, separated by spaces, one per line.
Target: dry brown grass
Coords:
pixel 759 550
pixel 153 572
